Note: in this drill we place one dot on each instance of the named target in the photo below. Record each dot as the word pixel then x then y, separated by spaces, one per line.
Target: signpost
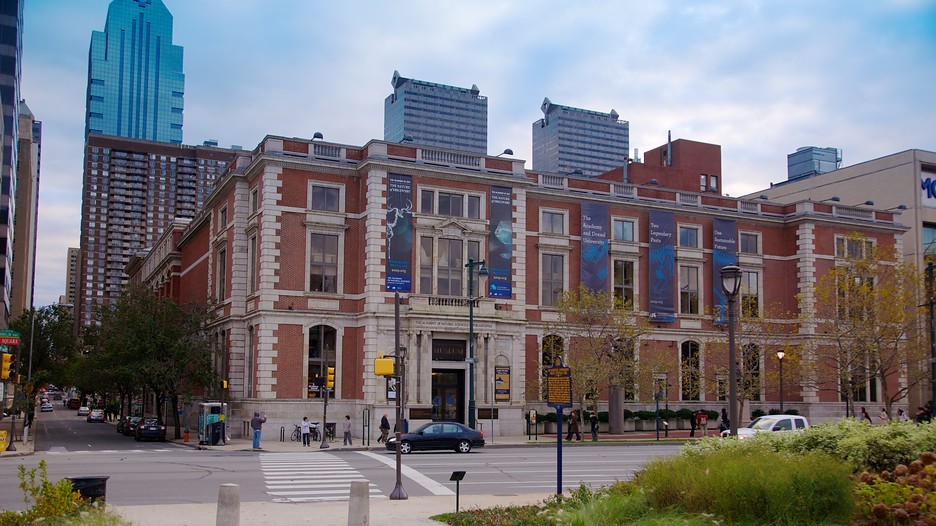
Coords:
pixel 559 396
pixel 9 337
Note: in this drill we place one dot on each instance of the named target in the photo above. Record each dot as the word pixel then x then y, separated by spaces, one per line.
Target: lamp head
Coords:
pixel 731 280
pixel 780 355
pixel 483 271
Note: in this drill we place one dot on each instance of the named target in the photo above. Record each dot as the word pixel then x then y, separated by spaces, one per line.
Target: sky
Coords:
pixel 759 78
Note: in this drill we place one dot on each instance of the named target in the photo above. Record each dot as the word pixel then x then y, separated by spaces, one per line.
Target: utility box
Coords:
pixel 212 417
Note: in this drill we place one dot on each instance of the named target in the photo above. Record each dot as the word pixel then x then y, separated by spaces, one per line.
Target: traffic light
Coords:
pixel 383 366
pixel 330 378
pixel 7 362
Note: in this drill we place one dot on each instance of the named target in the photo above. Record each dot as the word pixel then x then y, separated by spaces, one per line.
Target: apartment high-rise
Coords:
pixel 135 82
pixel 27 211
pixel 133 189
pixel 11 52
pixel 436 115
pixel 568 139
pixel 71 278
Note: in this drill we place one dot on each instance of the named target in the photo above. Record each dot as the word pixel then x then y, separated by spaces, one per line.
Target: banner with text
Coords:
pixel 399 233
pixel 662 266
pixel 500 246
pixel 595 262
pixel 724 253
pixel 502 384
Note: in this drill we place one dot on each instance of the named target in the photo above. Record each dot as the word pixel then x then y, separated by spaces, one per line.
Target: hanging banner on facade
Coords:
pixel 662 266
pixel 500 247
pixel 399 233
pixel 502 384
pixel 595 246
pixel 724 253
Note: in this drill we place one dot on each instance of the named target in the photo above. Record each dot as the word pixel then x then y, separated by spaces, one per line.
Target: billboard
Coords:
pixel 500 245
pixel 724 253
pixel 662 266
pixel 399 276
pixel 595 261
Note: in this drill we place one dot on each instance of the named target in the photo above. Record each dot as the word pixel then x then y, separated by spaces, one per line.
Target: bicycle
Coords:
pixel 296 434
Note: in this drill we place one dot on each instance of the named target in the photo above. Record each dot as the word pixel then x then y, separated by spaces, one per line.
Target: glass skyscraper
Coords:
pixel 436 115
pixel 11 53
pixel 135 82
pixel 569 139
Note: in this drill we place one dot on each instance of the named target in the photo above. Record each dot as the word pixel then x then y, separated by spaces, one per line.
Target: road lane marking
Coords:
pixel 432 486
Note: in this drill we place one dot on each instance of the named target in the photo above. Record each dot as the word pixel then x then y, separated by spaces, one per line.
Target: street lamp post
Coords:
pixel 731 282
pixel 780 355
pixel 482 271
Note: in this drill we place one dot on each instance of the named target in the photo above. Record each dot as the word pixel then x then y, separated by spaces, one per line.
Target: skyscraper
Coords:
pixel 133 189
pixel 569 139
pixel 135 82
pixel 27 211
pixel 436 115
pixel 11 52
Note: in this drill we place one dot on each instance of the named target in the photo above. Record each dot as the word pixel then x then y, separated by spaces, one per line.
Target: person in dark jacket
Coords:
pixel 594 426
pixel 574 428
pixel 725 422
pixel 384 428
pixel 256 423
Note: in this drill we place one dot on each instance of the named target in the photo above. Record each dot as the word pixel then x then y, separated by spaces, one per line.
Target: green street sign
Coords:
pixel 4 348
pixel 9 333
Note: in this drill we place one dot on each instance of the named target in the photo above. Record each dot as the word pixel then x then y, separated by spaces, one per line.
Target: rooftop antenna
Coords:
pixel 669 148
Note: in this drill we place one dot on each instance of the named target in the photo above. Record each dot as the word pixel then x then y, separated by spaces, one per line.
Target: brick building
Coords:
pixel 302 246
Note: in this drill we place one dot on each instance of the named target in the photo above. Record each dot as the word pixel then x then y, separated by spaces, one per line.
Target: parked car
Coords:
pixel 73 403
pixel 769 424
pixel 150 428
pixel 441 436
pixel 96 415
pixel 130 425
pixel 46 407
pixel 84 410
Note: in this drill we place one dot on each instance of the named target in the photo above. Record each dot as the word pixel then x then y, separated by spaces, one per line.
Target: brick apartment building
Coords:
pixel 302 246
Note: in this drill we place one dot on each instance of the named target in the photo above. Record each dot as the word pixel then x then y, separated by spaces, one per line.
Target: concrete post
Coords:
pixel 228 505
pixel 359 504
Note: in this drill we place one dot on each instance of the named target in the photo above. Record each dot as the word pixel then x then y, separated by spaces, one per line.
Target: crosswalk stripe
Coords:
pixel 304 477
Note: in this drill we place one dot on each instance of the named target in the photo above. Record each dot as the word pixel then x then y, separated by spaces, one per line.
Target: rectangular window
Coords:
pixel 713 183
pixel 425 265
pixel 323 263
pixel 222 274
pixel 691 378
pixel 252 265
pixel 325 198
pixel 552 278
pixel 929 238
pixel 552 223
pixel 623 230
pixel 474 207
pixel 623 283
pixel 450 204
pixel 426 198
pixel 474 250
pixel 750 297
pixel 688 290
pixel 451 267
pixel 749 242
pixel 703 183
pixel 689 236
pixel 254 200
pixel 853 248
pixel 222 219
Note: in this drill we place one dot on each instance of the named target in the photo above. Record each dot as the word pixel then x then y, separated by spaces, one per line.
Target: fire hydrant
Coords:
pixel 185 435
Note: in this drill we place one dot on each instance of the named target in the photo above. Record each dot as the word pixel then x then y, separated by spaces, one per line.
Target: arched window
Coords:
pixel 690 379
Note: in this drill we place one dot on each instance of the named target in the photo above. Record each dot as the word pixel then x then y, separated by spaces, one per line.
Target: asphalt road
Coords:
pixel 167 473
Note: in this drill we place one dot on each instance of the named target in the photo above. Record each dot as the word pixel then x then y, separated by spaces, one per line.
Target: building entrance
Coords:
pixel 448 395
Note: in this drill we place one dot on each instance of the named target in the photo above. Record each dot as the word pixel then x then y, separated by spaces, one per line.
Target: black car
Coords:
pixel 130 425
pixel 150 428
pixel 439 435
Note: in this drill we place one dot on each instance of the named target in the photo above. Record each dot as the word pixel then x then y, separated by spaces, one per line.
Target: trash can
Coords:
pixel 93 488
pixel 217 428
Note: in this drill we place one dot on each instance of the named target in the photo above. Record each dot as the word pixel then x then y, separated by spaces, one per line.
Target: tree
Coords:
pixel 602 334
pixel 867 313
pixel 47 334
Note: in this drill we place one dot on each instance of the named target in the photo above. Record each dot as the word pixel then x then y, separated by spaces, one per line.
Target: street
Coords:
pixel 146 473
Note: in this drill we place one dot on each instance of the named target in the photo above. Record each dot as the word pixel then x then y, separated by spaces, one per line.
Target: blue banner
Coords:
pixel 500 245
pixel 399 233
pixel 595 246
pixel 662 266
pixel 724 253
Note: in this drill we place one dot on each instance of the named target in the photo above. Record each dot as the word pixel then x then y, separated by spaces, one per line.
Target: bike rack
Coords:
pixel 282 433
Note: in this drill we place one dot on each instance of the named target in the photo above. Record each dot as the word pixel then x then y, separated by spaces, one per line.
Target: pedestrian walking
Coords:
pixel 256 423
pixel 866 416
pixel 902 416
pixel 725 422
pixel 884 416
pixel 594 426
pixel 347 430
pixel 574 428
pixel 384 429
pixel 702 421
pixel 306 428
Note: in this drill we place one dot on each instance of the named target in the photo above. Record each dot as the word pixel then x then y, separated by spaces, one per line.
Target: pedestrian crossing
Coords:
pixel 309 477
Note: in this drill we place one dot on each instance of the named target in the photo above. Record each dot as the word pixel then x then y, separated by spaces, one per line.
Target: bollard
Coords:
pixel 359 504
pixel 228 505
pixel 185 435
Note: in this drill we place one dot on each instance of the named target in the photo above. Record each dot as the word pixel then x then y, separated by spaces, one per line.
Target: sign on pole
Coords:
pixel 9 337
pixel 559 387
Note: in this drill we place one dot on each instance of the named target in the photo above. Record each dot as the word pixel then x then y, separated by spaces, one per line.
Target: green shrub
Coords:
pixel 49 501
pixel 752 485
pixel 628 414
pixel 685 414
pixel 906 495
pixel 645 415
pixel 757 413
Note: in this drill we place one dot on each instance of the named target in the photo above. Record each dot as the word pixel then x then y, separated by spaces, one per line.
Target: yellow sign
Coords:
pixel 3 440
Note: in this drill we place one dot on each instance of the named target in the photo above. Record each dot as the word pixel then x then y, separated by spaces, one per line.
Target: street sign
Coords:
pixel 9 337
pixel 559 387
pixel 9 333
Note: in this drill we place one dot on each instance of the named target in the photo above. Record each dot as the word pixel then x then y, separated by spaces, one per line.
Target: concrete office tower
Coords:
pixel 436 115
pixel 133 190
pixel 27 211
pixel 11 52
pixel 810 160
pixel 71 278
pixel 135 81
pixel 569 139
